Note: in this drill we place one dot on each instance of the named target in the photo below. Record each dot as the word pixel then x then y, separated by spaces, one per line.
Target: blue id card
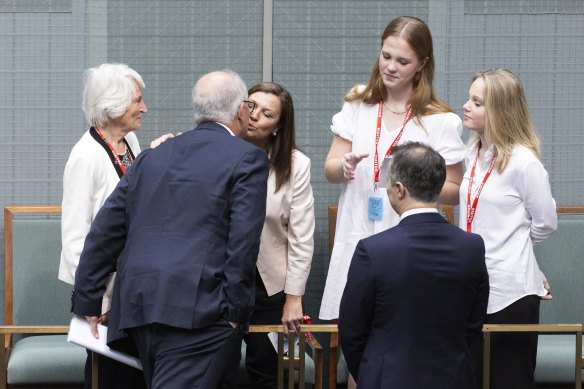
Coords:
pixel 375 207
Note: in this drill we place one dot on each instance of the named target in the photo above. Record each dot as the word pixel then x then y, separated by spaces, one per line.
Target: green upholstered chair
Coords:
pixel 561 258
pixel 35 350
pixel 308 362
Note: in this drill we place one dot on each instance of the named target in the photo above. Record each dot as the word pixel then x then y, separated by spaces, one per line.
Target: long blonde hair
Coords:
pixel 507 119
pixel 423 100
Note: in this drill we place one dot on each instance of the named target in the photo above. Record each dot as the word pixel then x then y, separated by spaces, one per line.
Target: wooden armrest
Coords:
pixel 303 328
pixel 541 328
pixel 34 329
pixel 14 329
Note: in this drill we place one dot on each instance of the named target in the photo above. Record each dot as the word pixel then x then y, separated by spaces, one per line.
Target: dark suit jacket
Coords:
pixel 416 297
pixel 185 222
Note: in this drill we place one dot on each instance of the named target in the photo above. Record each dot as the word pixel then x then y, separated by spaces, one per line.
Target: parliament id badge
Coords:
pixel 375 206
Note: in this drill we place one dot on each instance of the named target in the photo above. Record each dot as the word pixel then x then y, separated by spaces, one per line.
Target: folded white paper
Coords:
pixel 80 334
pixel 273 336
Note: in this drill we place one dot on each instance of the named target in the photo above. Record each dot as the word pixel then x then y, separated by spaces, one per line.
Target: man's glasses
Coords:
pixel 250 105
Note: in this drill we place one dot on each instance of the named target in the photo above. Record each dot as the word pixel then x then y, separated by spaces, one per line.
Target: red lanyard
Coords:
pixel 471 209
pixel 115 155
pixel 378 135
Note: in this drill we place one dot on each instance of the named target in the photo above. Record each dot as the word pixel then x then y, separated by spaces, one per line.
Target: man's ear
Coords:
pixel 401 190
pixel 240 111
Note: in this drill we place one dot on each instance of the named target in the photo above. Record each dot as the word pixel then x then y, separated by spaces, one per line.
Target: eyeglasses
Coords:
pixel 250 105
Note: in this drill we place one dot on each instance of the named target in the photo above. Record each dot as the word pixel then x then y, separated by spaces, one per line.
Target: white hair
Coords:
pixel 219 104
pixel 109 91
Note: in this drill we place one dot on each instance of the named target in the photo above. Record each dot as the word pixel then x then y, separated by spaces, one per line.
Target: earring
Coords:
pixel 274 133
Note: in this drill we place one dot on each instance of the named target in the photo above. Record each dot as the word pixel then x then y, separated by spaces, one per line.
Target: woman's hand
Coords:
pixel 547 287
pixel 341 161
pixel 349 163
pixel 160 140
pixel 292 313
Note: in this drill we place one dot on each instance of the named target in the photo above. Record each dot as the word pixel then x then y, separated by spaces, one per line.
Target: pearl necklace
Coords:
pixel 392 111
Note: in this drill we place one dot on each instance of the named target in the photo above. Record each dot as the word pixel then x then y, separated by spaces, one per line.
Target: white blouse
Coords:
pixel 357 123
pixel 515 210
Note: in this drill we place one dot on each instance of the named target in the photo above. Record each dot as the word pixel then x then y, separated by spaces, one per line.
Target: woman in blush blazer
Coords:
pixel 286 245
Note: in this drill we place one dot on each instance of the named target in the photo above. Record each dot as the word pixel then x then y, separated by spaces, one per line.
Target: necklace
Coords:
pixel 392 111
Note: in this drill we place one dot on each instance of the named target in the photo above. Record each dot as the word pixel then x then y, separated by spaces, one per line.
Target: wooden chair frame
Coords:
pixel 306 344
pixel 575 329
pixel 6 331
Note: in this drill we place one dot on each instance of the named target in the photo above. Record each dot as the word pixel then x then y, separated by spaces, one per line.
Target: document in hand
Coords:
pixel 80 334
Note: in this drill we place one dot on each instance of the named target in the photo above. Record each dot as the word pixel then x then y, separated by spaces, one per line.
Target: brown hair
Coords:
pixel 423 100
pixel 280 147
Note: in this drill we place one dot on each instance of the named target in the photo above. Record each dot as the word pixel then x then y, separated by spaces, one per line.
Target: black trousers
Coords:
pixel 206 358
pixel 113 374
pixel 513 355
pixel 261 360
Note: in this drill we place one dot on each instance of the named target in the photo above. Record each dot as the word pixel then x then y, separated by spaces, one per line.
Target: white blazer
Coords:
pixel 287 241
pixel 88 180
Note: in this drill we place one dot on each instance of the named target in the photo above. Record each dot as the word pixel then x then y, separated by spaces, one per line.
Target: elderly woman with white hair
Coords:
pixel 113 106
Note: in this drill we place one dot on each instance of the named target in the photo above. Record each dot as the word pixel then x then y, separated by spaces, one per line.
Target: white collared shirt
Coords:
pixel 415 211
pixel 515 210
pixel 227 128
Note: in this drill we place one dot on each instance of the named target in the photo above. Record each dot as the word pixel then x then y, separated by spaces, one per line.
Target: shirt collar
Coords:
pixel 227 128
pixel 416 211
pixel 472 152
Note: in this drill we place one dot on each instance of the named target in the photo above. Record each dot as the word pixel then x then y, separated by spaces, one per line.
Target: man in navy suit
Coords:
pixel 185 222
pixel 416 294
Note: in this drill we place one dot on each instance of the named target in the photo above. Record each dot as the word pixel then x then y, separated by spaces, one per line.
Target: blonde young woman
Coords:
pixel 398 104
pixel 510 204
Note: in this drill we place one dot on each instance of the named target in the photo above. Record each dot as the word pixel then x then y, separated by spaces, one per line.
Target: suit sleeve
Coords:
pixel 479 309
pixel 103 245
pixel 356 309
pixel 247 202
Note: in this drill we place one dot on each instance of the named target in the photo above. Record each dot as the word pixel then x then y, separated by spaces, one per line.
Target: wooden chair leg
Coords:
pixel 301 360
pixel 486 360
pixel 94 370
pixel 290 360
pixel 318 365
pixel 578 378
pixel 3 362
pixel 333 359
